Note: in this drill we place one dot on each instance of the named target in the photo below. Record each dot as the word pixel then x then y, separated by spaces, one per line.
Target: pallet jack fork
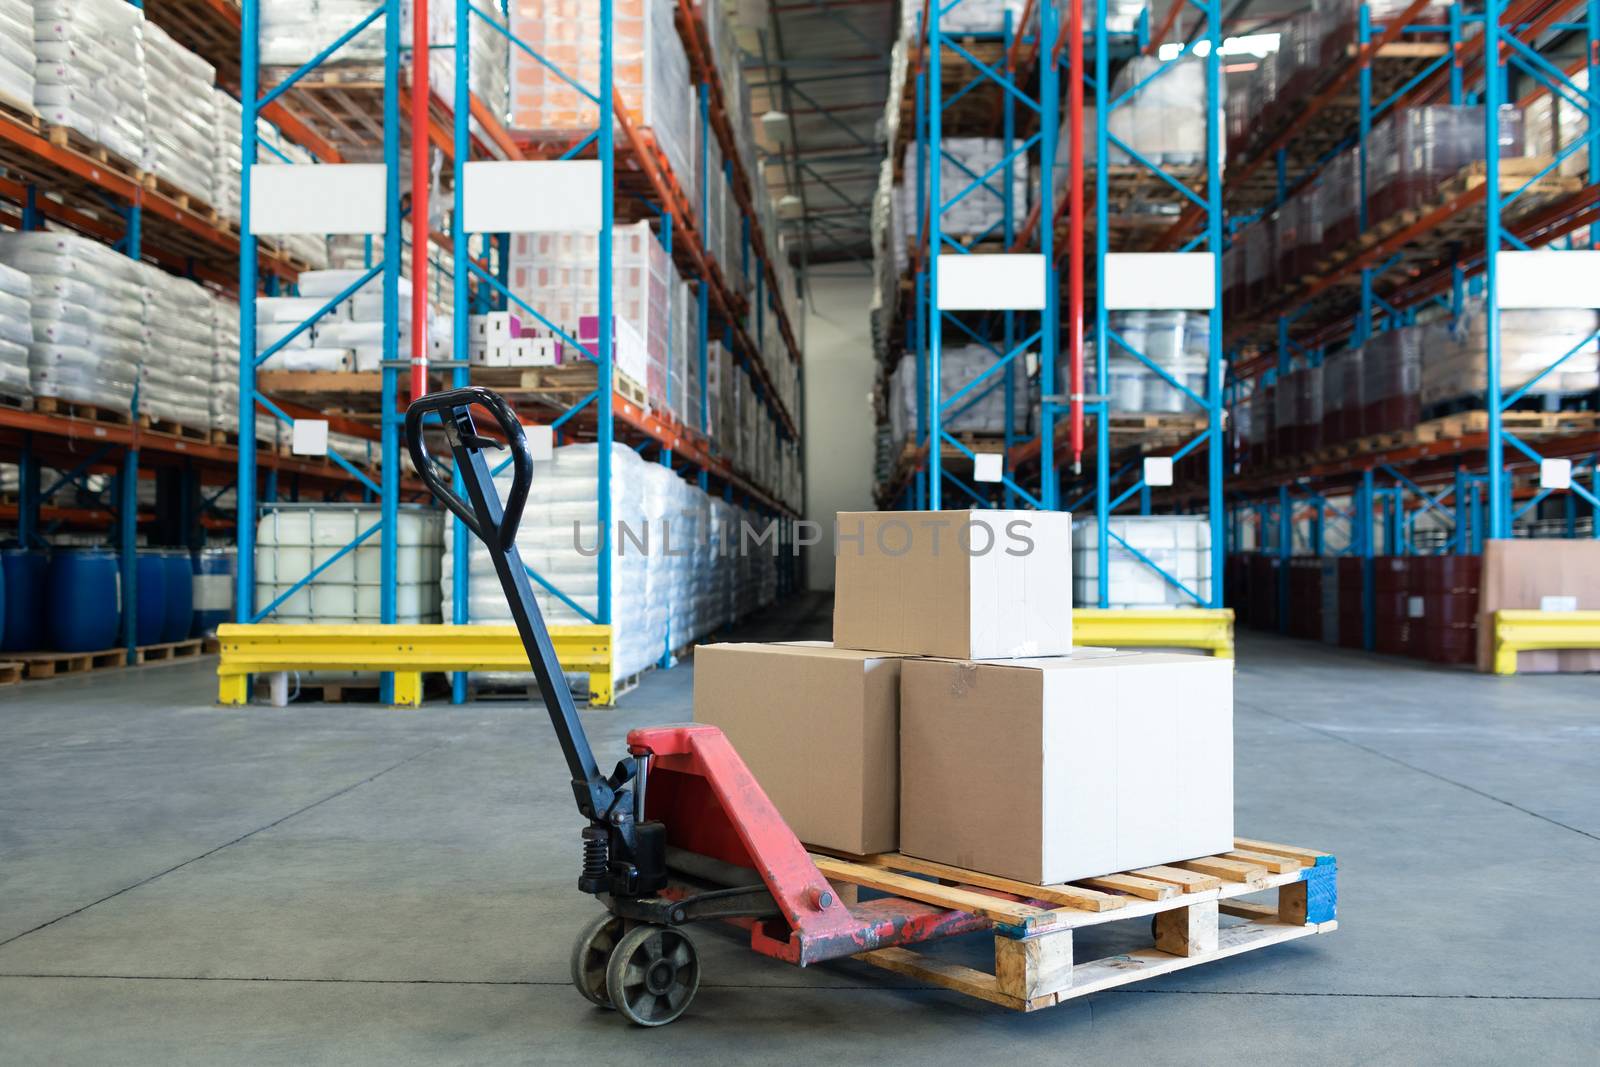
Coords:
pixel 680 831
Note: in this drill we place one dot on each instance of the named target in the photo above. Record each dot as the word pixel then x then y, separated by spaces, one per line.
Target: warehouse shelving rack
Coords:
pixel 1030 63
pixel 361 119
pixel 660 194
pixel 56 176
pixel 1478 477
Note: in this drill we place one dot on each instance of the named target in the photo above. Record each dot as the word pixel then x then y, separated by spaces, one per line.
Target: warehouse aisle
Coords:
pixel 180 883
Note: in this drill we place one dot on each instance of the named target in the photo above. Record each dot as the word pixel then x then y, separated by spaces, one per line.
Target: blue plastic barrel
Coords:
pixel 214 569
pixel 24 598
pixel 151 598
pixel 180 594
pixel 83 603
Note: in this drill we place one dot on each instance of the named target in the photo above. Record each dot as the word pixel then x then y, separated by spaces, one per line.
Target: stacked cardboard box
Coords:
pixel 952 719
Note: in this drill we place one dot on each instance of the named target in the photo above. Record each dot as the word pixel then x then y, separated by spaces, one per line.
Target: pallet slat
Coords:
pixel 1068 896
pixel 955 898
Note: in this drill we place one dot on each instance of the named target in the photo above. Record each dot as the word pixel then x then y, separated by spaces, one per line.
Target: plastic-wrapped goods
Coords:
pixel 557 274
pixel 675 555
pixel 981 211
pixel 182 114
pixel 175 379
pixel 1341 396
pixel 1455 357
pixel 88 318
pixel 969 16
pixel 1553 123
pixel 90 72
pixel 1391 381
pixel 1299 411
pixel 17 53
pixel 1339 193
pixel 1176 341
pixel 223 405
pixel 16 333
pixel 1179 544
pixel 227 153
pixel 981 411
pixel 1260 263
pixel 293 539
pixel 1417 149
pixel 349 337
pixel 1299 234
pixel 1263 404
pixel 1165 122
pixel 650 70
pixel 1233 277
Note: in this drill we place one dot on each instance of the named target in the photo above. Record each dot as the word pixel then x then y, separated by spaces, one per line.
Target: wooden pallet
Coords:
pixel 52 664
pixel 67 137
pixel 18 403
pixel 52 405
pixel 168 428
pixel 1034 966
pixel 170 650
pixel 10 671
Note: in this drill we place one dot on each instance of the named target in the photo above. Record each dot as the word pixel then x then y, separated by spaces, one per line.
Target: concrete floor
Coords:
pixel 182 883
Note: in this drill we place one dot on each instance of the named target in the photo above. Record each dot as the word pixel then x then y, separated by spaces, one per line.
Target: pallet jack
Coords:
pixel 680 832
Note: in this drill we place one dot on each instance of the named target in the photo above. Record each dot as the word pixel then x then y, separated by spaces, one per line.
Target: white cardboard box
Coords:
pixel 1049 770
pixel 961 584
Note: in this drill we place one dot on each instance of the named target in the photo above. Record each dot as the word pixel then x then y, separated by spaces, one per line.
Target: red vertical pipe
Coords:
pixel 420 235
pixel 1075 262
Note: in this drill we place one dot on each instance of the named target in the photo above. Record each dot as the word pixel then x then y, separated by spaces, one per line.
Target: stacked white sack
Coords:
pixel 87 314
pixel 227 153
pixel 175 381
pixel 223 405
pixel 16 333
pixel 17 53
pixel 182 114
pixel 90 71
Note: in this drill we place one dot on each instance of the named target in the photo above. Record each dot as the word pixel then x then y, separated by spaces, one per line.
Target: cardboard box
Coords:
pixel 958 584
pixel 819 728
pixel 1538 575
pixel 1049 770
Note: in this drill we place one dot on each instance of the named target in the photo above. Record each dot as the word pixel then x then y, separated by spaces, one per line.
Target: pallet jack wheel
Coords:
pixel 653 975
pixel 591 953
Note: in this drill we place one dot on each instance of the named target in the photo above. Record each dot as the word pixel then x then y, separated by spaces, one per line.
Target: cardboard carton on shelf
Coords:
pixel 818 727
pixel 956 584
pixel 1050 770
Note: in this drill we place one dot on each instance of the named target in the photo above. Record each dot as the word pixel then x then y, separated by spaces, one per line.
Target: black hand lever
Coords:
pixel 455 411
pixel 495 524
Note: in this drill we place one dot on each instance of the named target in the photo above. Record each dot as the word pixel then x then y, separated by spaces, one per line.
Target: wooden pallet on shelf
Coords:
pixel 52 405
pixel 11 671
pixel 179 430
pixel 67 137
pixel 1195 910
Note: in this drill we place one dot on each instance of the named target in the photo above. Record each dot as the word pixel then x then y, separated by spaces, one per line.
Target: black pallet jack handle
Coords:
pixel 495 524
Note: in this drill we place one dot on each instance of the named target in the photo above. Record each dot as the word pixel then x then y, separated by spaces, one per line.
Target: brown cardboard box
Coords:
pixel 819 728
pixel 957 584
pixel 1049 770
pixel 1521 574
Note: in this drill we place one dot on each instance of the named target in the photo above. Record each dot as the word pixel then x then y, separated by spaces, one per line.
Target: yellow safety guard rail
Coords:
pixel 1206 628
pixel 407 650
pixel 1523 630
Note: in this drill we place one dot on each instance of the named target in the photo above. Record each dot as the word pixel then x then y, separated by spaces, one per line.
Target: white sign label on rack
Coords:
pixel 531 196
pixel 988 467
pixel 1161 281
pixel 1555 474
pixel 1546 279
pixel 541 441
pixel 1008 282
pixel 1158 471
pixel 317 198
pixel 310 437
